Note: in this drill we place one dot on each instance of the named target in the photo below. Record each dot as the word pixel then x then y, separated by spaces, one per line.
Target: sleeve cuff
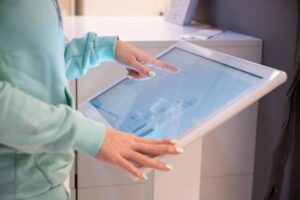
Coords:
pixel 90 136
pixel 105 48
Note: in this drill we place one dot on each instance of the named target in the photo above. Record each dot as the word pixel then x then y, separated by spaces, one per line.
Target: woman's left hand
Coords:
pixel 136 60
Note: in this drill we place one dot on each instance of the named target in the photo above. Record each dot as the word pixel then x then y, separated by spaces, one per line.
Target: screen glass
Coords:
pixel 168 104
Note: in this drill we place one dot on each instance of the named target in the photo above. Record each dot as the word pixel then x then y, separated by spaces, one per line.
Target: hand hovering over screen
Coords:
pixel 126 150
pixel 138 62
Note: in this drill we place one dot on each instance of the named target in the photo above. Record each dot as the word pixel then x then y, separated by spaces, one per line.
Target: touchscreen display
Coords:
pixel 170 103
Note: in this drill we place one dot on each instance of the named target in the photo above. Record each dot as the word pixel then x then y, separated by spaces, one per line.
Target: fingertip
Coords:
pixel 145 70
pixel 169 167
pixel 163 166
pixel 174 69
pixel 145 177
pixel 179 150
pixel 173 141
pixel 138 175
pixel 172 149
pixel 151 74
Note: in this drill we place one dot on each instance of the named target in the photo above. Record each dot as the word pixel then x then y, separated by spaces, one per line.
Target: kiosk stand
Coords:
pixel 225 155
pixel 209 89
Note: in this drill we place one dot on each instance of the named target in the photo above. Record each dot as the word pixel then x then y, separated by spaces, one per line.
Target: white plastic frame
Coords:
pixel 271 78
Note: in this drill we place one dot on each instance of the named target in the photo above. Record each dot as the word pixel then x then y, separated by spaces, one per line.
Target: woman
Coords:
pixel 39 130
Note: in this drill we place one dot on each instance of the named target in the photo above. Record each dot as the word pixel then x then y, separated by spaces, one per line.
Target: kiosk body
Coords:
pixel 227 158
pixel 209 89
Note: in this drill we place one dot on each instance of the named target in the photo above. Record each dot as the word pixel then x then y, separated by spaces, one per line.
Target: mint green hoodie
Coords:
pixel 39 129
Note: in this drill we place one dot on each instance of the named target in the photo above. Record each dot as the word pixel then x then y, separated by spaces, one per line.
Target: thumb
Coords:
pixel 142 69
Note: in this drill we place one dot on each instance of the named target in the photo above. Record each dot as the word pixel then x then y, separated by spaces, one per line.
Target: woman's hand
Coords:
pixel 126 151
pixel 136 61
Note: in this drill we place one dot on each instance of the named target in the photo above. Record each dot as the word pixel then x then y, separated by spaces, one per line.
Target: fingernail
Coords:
pixel 179 150
pixel 177 70
pixel 145 177
pixel 170 167
pixel 151 74
pixel 173 141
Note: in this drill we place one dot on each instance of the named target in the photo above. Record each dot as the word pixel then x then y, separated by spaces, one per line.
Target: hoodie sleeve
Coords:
pixel 87 52
pixel 30 125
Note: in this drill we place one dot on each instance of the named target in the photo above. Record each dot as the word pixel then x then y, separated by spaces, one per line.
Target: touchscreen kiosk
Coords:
pixel 209 88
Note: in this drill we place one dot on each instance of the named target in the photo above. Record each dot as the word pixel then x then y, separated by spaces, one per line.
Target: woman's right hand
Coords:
pixel 125 150
pixel 136 60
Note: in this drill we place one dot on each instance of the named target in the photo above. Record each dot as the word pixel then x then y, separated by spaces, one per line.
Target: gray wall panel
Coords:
pixel 274 21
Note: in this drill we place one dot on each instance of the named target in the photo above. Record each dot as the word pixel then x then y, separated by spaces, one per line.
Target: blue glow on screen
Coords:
pixel 170 103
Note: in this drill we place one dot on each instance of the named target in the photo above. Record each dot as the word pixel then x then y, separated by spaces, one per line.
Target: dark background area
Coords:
pixel 274 21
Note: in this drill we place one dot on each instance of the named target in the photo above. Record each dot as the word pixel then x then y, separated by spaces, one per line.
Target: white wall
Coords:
pixel 124 7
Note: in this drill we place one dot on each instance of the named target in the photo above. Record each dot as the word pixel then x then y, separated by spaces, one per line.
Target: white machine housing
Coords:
pixel 270 79
pixel 184 180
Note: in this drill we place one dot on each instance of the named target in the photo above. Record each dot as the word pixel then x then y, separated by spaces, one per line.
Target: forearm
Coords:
pixel 30 125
